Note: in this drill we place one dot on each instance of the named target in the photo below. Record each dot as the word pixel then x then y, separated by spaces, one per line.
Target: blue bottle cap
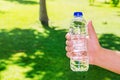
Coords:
pixel 78 14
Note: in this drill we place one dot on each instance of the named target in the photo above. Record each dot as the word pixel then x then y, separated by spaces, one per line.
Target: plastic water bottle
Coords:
pixel 78 32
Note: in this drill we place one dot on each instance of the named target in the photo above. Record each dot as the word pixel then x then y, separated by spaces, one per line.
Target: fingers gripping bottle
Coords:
pixel 78 31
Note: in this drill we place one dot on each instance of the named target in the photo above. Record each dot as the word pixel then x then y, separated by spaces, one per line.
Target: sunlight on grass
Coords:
pixel 18 16
pixel 103 15
pixel 38 27
pixel 17 56
pixel 107 78
pixel 39 53
pixel 59 74
pixel 14 72
pixel 4 7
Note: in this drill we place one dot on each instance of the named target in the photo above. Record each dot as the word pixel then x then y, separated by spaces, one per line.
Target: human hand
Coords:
pixel 94 47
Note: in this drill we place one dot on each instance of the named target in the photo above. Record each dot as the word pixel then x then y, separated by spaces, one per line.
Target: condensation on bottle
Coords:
pixel 78 32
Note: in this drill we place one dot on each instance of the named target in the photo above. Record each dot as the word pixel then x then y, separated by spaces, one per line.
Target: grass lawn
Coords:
pixel 30 52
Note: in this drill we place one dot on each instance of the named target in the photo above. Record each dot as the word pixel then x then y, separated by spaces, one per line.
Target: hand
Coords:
pixel 94 47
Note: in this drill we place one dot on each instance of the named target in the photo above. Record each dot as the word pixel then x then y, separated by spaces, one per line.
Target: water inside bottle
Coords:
pixel 80 64
pixel 80 60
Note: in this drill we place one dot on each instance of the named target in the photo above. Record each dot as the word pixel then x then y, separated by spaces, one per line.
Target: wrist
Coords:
pixel 98 57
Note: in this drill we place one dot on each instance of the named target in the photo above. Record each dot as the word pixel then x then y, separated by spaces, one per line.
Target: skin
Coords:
pixel 98 56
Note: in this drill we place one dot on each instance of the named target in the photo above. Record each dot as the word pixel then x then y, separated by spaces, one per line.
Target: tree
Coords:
pixel 43 17
pixel 115 2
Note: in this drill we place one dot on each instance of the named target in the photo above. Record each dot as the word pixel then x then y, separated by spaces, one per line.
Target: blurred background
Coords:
pixel 30 50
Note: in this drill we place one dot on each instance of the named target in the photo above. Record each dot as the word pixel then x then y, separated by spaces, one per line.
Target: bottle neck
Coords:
pixel 78 16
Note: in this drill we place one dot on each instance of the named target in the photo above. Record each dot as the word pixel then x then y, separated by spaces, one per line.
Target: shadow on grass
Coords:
pixel 110 41
pixel 24 1
pixel 46 55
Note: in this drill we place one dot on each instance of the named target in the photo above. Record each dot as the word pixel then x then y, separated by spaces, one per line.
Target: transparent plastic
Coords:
pixel 78 32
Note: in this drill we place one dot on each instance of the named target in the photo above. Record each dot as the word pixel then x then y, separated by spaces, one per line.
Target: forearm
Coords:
pixel 109 60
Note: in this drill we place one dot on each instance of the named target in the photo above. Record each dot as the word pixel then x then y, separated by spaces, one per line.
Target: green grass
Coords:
pixel 30 52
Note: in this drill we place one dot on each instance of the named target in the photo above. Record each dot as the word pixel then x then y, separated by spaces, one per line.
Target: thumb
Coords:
pixel 91 30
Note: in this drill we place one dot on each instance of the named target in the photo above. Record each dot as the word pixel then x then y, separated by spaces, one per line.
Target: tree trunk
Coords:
pixel 43 17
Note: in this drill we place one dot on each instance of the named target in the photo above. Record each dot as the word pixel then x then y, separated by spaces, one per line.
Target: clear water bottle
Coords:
pixel 78 32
